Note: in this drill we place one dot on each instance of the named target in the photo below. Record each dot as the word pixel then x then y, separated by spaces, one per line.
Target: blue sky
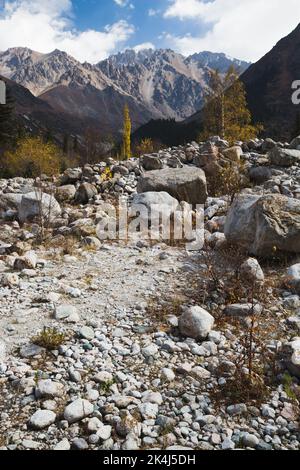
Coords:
pixel 145 15
pixel 91 30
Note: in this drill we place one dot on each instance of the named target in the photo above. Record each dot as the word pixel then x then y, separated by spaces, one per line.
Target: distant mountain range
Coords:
pixel 156 84
pixel 54 91
pixel 268 85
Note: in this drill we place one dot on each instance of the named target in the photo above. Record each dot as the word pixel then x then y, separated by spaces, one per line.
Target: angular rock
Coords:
pixel 104 432
pixel 251 271
pixel 79 444
pixel 150 350
pixel 71 175
pixel 233 153
pixel 65 311
pixel 151 162
pixel 235 410
pixel 10 201
pixel 62 445
pixel 268 144
pixel 121 169
pixel 167 375
pixel 228 444
pixel 40 205
pixel 200 373
pixel 184 184
pixel 243 310
pixel 148 410
pixel 85 192
pixel 264 224
pixel 284 157
pixel 65 193
pixel 49 389
pixel 28 261
pixel 207 159
pixel 31 350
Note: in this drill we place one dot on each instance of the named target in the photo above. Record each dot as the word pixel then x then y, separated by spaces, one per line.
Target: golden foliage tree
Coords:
pixel 226 111
pixel 126 147
pixel 32 158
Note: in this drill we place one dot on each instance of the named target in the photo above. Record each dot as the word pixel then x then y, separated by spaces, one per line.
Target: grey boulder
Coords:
pixel 184 184
pixel 65 193
pixel 151 162
pixel 38 204
pixel 243 310
pixel 264 224
pixel 154 202
pixel 71 175
pixel 9 201
pixel 260 174
pixel 85 192
pixel 284 157
pixel 42 419
pixel 251 271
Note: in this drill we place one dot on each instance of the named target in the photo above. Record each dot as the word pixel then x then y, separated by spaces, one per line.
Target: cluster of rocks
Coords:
pixel 118 380
pixel 124 387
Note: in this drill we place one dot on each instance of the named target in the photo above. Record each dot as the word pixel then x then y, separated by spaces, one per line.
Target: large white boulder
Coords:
pixel 195 322
pixel 37 204
pixel 156 201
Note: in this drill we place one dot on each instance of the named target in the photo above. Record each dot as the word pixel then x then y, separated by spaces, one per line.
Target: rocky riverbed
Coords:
pixel 150 337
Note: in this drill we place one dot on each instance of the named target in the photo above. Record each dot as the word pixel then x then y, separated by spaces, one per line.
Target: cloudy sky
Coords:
pixel 90 30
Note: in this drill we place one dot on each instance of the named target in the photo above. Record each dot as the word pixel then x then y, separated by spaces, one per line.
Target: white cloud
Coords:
pixel 143 46
pixel 45 25
pixel 121 3
pixel 152 12
pixel 246 29
pixel 124 3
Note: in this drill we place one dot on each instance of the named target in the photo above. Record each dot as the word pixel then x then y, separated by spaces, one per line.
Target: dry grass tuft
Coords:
pixel 49 338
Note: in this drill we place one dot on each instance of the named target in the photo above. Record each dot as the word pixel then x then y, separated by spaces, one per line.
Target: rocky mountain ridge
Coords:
pixel 156 84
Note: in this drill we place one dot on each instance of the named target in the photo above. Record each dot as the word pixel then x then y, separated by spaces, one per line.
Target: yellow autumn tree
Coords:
pixel 126 146
pixel 32 158
pixel 226 110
